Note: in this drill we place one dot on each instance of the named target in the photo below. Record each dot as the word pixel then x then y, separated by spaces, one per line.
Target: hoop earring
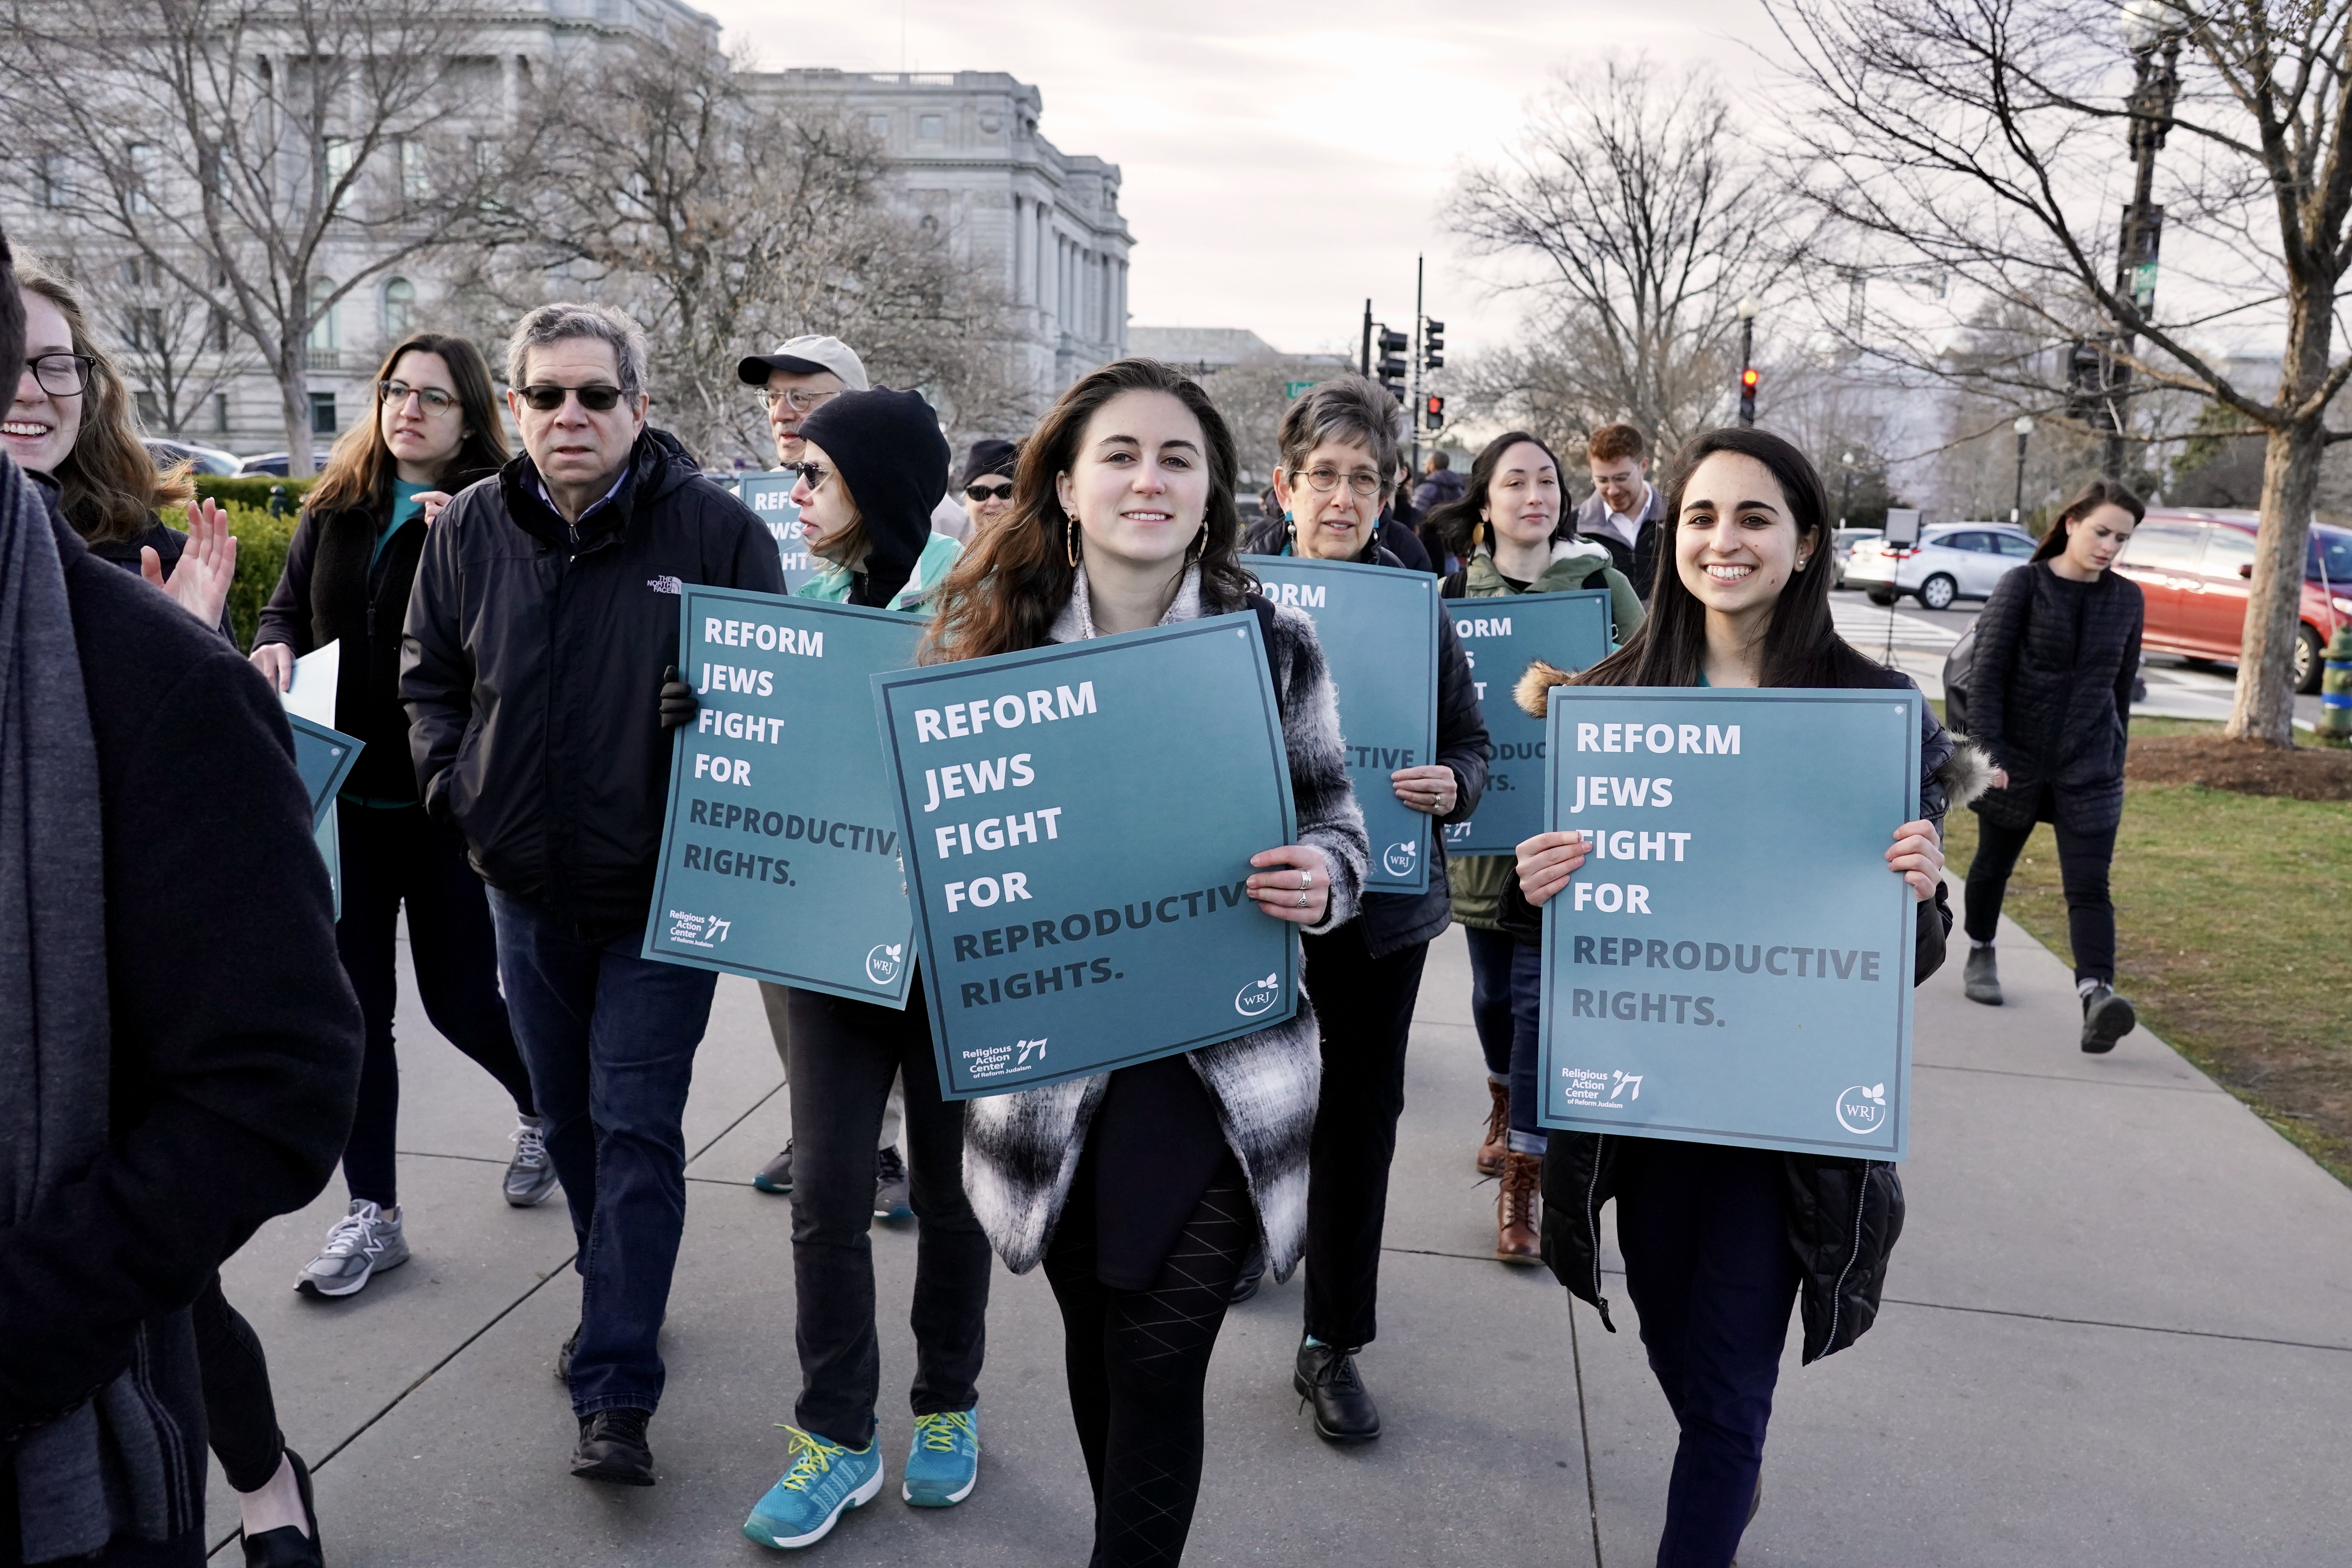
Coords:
pixel 1070 540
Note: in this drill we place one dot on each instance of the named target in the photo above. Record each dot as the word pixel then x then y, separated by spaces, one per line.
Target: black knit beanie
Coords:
pixel 889 450
pixel 990 455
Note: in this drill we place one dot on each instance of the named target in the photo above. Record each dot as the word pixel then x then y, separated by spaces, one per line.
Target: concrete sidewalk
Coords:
pixel 2118 1331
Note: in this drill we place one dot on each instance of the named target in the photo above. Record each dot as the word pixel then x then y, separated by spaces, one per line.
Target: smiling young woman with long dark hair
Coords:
pixel 1717 1239
pixel 1141 1190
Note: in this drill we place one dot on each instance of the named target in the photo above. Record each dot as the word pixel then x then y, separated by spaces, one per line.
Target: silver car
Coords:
pixel 1952 560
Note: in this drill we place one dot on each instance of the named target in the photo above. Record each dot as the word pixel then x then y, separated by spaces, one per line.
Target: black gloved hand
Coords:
pixel 679 703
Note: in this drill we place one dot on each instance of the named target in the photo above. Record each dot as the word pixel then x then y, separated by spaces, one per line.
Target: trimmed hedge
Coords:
pixel 250 490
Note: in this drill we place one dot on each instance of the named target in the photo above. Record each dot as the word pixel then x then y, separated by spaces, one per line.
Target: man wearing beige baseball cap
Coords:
pixel 802 374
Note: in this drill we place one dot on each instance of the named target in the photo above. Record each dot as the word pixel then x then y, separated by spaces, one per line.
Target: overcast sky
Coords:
pixel 1281 159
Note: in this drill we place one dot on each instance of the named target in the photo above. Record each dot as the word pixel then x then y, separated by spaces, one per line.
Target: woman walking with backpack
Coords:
pixel 2050 694
pixel 1718 1239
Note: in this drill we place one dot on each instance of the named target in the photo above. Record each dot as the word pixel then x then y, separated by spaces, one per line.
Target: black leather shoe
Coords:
pixel 612 1448
pixel 2106 1018
pixel 287 1547
pixel 563 1356
pixel 1327 1380
pixel 1246 1283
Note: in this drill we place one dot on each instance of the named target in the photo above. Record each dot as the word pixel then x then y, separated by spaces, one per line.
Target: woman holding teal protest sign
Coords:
pixel 1511 527
pixel 1718 1239
pixel 1339 451
pixel 1141 1189
pixel 873 467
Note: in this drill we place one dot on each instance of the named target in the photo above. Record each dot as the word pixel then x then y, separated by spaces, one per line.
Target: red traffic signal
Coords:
pixel 1748 381
pixel 1432 413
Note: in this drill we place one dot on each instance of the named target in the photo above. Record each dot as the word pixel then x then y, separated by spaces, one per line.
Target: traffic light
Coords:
pixel 1432 344
pixel 1747 379
pixel 2086 383
pixel 1434 412
pixel 1390 365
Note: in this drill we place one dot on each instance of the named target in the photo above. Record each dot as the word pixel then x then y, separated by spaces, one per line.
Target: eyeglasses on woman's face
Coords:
pixel 1324 480
pixel 1002 490
pixel 393 394
pixel 61 374
pixel 596 398
pixel 799 399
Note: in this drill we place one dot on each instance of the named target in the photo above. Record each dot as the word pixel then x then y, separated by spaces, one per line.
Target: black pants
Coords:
pixel 1137 1361
pixel 1364 1006
pixel 2083 862
pixel 844 1055
pixel 390 857
pixel 241 1415
pixel 1709 1267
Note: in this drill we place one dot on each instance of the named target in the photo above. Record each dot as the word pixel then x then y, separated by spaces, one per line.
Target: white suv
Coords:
pixel 1952 560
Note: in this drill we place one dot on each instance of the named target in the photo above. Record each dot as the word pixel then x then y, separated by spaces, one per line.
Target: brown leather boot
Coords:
pixel 1498 1129
pixel 1516 1240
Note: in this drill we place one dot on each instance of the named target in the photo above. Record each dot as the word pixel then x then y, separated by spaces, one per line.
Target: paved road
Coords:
pixel 1917 639
pixel 2118 1331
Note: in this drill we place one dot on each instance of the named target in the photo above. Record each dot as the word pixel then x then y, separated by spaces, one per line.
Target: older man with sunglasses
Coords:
pixel 541 635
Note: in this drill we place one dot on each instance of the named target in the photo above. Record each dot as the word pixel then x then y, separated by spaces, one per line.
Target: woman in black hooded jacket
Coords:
pixel 1718 1239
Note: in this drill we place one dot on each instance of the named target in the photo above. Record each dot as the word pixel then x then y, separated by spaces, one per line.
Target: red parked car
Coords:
pixel 2193 567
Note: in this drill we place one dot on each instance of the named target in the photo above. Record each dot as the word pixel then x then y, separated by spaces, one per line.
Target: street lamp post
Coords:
pixel 1747 311
pixel 1845 486
pixel 2024 427
pixel 2151 28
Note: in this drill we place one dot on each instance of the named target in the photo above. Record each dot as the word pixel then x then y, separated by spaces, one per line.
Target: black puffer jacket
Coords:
pixel 336 588
pixel 1843 1214
pixel 1395 921
pixel 2050 695
pixel 167 543
pixel 532 663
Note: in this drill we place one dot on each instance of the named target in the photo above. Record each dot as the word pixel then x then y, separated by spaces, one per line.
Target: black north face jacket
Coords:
pixel 531 670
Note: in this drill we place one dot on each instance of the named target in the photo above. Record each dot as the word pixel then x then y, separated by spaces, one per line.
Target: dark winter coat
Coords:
pixel 167 543
pixel 1436 489
pixel 2050 695
pixel 236 1038
pixel 1843 1214
pixel 531 667
pixel 1639 560
pixel 1395 921
pixel 336 588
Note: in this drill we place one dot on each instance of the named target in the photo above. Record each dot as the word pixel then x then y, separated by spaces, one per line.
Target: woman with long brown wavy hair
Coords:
pixel 434 429
pixel 1141 1190
pixel 71 419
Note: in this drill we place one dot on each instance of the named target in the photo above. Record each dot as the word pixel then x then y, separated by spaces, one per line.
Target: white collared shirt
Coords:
pixel 1626 528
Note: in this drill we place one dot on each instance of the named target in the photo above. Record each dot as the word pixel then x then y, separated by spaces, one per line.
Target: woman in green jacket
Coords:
pixel 1512 528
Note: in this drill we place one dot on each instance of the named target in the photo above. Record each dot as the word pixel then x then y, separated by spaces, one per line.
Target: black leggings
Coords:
pixel 389 857
pixel 1137 1362
pixel 2083 862
pixel 240 1417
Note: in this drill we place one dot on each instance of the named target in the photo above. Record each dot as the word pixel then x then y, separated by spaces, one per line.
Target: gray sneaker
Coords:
pixel 2106 1018
pixel 531 1175
pixel 1981 981
pixel 362 1243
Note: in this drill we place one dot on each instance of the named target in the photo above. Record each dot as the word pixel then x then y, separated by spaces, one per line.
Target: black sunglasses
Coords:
pixel 989 492
pixel 596 399
pixel 814 473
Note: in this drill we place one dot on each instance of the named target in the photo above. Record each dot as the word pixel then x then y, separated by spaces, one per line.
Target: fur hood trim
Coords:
pixel 1533 694
pixel 1966 774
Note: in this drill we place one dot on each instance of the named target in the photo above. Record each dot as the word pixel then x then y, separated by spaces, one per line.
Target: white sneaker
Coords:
pixel 362 1243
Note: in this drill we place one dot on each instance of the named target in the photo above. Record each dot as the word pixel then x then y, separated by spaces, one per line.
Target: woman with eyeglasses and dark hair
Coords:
pixel 71 419
pixel 1511 529
pixel 349 569
pixel 1718 1240
pixel 1338 447
pixel 873 467
pixel 2050 690
pixel 1141 1190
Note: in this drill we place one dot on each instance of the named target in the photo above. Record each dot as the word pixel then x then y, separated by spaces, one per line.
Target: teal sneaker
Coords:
pixel 824 1481
pixel 943 1464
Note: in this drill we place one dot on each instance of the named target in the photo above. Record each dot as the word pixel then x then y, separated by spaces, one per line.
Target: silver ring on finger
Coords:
pixel 1302 901
pixel 1305 880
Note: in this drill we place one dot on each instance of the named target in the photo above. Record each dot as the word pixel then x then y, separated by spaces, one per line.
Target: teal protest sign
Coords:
pixel 769 496
pixel 1378 627
pixel 1733 964
pixel 324 758
pixel 778 858
pixel 1078 822
pixel 1501 637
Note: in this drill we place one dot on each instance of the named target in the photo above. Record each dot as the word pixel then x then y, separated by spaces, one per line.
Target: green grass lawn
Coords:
pixel 2234 917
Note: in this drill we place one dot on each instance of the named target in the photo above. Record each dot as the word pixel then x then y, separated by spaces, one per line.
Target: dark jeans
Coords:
pixel 390 857
pixel 1709 1267
pixel 1506 1004
pixel 241 1415
pixel 610 1039
pixel 2083 862
pixel 1137 1361
pixel 1364 1006
pixel 844 1055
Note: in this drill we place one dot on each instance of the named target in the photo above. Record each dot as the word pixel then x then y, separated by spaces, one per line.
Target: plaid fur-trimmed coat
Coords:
pixel 1021 1151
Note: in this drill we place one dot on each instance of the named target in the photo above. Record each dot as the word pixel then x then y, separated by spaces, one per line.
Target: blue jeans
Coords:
pixel 1506 1004
pixel 610 1040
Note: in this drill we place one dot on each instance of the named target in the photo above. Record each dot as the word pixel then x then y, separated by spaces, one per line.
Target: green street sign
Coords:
pixel 1294 390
